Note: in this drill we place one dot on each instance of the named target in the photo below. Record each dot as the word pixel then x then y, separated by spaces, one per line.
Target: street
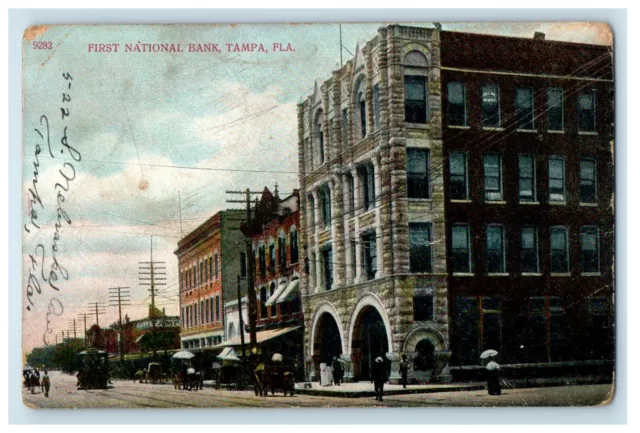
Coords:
pixel 127 394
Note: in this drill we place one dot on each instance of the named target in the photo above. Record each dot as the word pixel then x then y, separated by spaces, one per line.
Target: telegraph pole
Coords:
pixel 241 322
pixel 98 309
pixel 152 274
pixel 84 318
pixel 251 290
pixel 72 323
pixel 119 296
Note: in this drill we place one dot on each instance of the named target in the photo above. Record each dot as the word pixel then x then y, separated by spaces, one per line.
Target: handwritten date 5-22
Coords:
pixel 42 45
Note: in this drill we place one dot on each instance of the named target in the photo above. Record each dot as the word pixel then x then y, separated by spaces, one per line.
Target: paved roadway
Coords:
pixel 126 394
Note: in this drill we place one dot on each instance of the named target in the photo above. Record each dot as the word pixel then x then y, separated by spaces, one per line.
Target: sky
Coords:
pixel 161 137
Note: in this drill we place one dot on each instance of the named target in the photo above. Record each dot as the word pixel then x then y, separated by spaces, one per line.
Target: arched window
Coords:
pixel 282 251
pixel 362 111
pixel 416 59
pixel 272 290
pixel 320 139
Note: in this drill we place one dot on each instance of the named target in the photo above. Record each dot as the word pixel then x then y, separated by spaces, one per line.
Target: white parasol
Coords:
pixel 183 354
pixel 277 357
pixel 488 354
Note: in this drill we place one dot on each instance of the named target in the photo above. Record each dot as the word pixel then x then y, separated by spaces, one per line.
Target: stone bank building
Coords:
pixel 456 196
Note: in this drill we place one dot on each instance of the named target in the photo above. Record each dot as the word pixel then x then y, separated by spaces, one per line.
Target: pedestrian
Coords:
pixel 493 378
pixel 338 371
pixel 404 370
pixel 46 383
pixel 379 376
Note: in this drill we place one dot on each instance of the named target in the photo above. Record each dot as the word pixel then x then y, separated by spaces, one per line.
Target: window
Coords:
pixel 345 128
pixel 262 260
pixel 423 304
pixel 243 265
pixel 354 262
pixel 207 310
pixel 216 266
pixel 587 180
pixel 529 250
pixel 320 138
pixel 492 177
pixel 589 250
pixel 370 255
pixel 272 290
pixel 461 249
pixel 312 214
pixel 559 250
pixel 420 244
pixel 368 186
pixel 555 109
pixel 272 257
pixel 202 316
pixel 293 241
pixel 263 303
pixel 418 173
pixel 587 111
pixel 547 329
pixel 415 99
pixel 556 179
pixel 325 204
pixel 524 108
pixel 213 318
pixel 527 178
pixel 351 193
pixel 327 262
pixel 490 106
pixel 200 275
pixel 362 109
pixel 282 251
pixel 495 249
pixel 479 326
pixel 376 107
pixel 458 184
pixel 457 110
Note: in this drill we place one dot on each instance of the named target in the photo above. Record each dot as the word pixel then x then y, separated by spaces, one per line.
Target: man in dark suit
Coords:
pixel 379 376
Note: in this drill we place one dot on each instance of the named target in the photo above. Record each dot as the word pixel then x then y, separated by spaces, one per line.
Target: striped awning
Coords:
pixel 272 299
pixel 290 292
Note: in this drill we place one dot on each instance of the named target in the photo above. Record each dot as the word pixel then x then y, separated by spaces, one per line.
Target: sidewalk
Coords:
pixel 365 389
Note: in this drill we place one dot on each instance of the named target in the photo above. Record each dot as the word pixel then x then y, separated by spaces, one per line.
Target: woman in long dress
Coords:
pixel 493 377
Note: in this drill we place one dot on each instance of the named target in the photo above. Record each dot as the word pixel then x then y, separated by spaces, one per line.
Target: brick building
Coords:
pixel 209 260
pixel 443 178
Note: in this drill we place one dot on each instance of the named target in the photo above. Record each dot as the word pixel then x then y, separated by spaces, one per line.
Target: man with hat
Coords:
pixel 379 376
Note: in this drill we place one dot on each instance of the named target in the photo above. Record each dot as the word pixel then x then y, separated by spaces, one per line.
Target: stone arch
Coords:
pixel 369 299
pixel 422 333
pixel 322 308
pixel 419 48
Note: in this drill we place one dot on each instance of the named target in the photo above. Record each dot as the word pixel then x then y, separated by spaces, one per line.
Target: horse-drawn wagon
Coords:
pixel 94 369
pixel 274 376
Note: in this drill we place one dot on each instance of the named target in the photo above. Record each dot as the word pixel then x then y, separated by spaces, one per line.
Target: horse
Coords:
pixel 195 380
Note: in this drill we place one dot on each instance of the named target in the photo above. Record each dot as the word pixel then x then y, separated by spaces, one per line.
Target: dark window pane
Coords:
pixel 492 177
pixel 345 128
pixel 589 249
pixel 243 265
pixel 363 115
pixel 468 329
pixel 460 248
pixel 490 105
pixel 556 179
pixel 294 246
pixel 458 175
pixel 420 252
pixel 529 250
pixel 418 173
pixel 559 250
pixel 327 260
pixel 376 107
pixel 415 103
pixel 524 108
pixel 422 305
pixel 526 181
pixel 370 255
pixel 587 112
pixel 495 249
pixel 456 104
pixel 587 181
pixel 555 117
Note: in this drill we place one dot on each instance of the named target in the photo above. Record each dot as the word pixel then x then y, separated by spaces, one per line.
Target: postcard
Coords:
pixel 318 215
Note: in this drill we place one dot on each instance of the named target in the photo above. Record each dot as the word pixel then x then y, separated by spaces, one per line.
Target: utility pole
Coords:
pixel 241 322
pixel 251 290
pixel 152 274
pixel 119 296
pixel 98 309
pixel 180 208
pixel 72 323
pixel 84 318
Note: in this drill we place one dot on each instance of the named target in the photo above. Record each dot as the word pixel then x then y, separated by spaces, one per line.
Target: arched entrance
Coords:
pixel 327 342
pixel 369 340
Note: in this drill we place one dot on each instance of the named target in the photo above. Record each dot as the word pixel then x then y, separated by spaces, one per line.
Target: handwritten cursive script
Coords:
pixel 55 308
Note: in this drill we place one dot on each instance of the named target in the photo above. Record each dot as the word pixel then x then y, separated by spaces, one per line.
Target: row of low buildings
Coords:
pixel 455 195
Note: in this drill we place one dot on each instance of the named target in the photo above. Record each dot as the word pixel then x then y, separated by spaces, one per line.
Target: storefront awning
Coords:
pixel 261 337
pixel 290 292
pixel 272 299
pixel 228 354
